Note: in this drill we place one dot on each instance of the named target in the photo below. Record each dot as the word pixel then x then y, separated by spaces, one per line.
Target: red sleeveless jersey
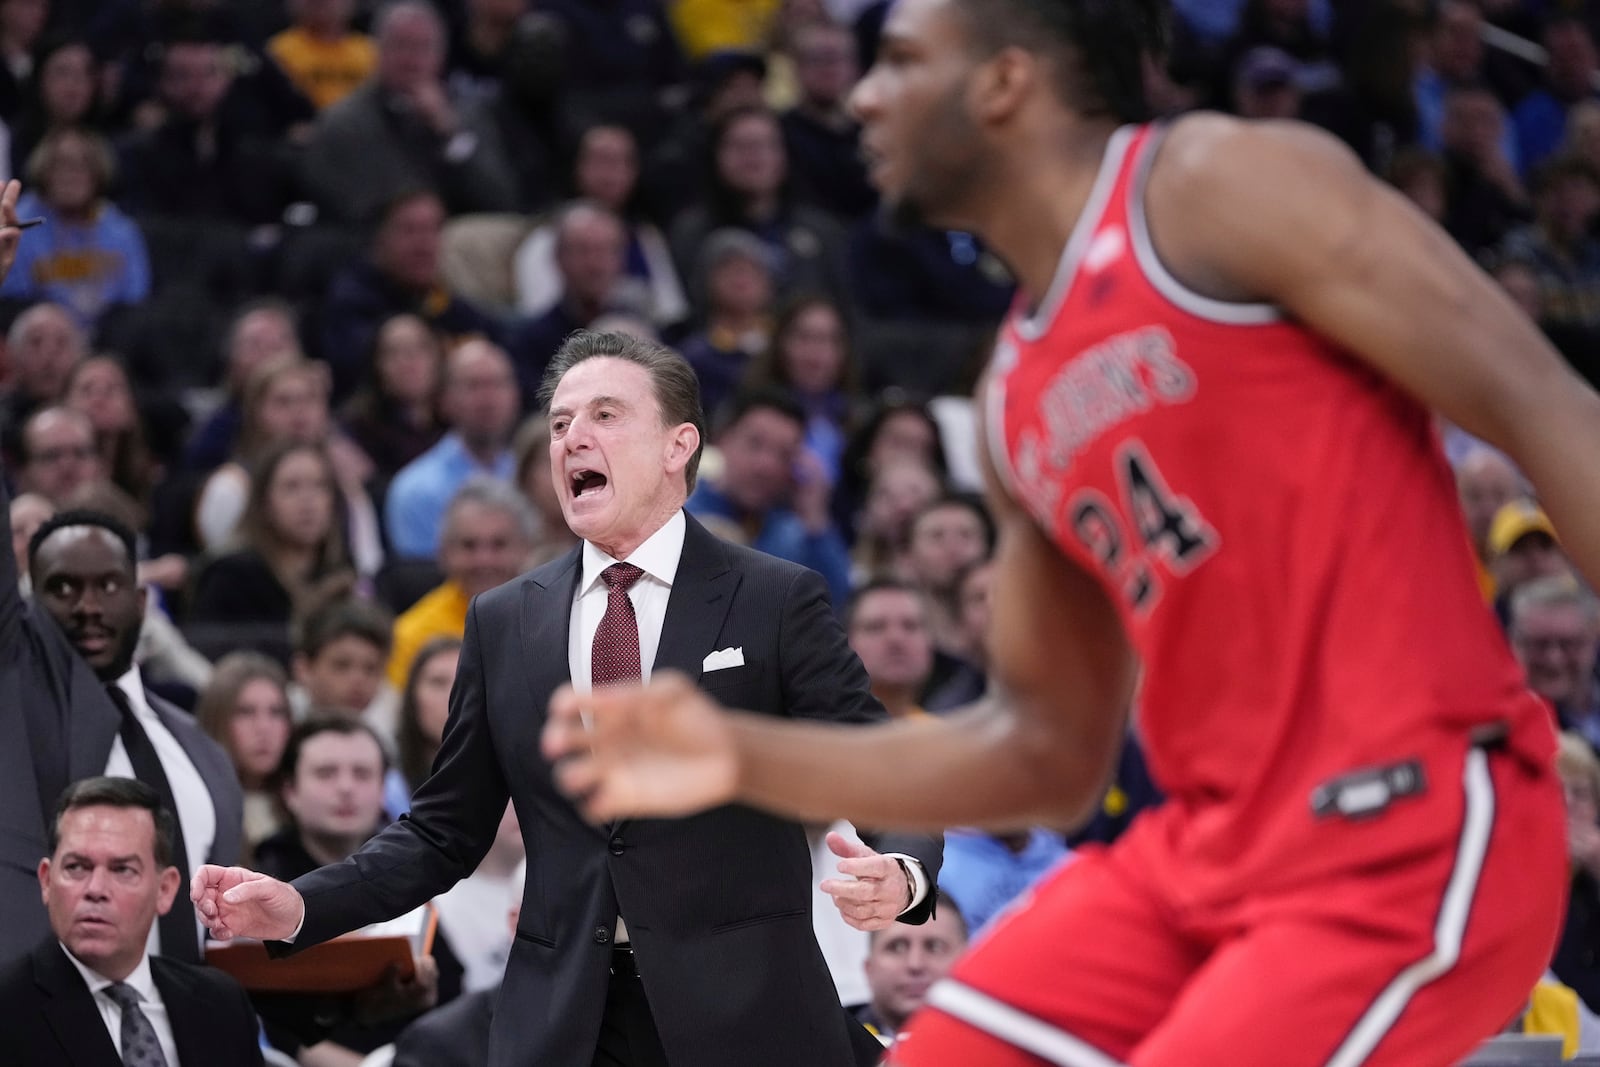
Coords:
pixel 1276 524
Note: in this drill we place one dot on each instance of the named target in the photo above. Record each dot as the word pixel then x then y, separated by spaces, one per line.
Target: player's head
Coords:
pixel 951 75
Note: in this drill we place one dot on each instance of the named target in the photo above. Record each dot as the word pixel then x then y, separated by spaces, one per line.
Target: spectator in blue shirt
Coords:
pixel 480 404
pixel 1540 119
pixel 984 872
pixel 767 492
pixel 88 257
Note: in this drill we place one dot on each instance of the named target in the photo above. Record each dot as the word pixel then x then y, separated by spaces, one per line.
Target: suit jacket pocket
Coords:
pixel 728 677
pixel 758 920
pixel 536 939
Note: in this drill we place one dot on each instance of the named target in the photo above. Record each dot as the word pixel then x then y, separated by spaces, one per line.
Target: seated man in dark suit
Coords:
pixel 90 995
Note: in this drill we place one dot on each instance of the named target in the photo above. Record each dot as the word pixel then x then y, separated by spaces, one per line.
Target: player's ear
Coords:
pixel 1003 82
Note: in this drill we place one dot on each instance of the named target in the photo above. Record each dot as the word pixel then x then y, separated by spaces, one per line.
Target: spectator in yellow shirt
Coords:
pixel 489 531
pixel 320 53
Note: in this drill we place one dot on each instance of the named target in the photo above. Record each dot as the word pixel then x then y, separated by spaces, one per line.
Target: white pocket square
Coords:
pixel 722 659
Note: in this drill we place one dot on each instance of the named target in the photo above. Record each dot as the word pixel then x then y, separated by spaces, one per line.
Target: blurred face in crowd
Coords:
pixel 323 17
pixel 481 547
pixel 67 84
pixel 195 79
pixel 480 394
pixel 590 251
pixel 825 64
pixel 758 456
pixel 945 540
pixel 972 604
pixel 434 678
pixel 44 346
pixel 813 349
pixel 496 12
pixel 261 335
pixel 294 407
pixel 607 167
pixel 337 790
pixel 344 676
pixel 259 729
pixel 29 511
pixel 103 888
pixel 1572 59
pixel 750 156
pixel 739 285
pixel 1486 482
pixel 898 491
pixel 83 577
pixel 903 436
pixel 100 390
pixel 889 631
pixel 1458 40
pixel 1533 555
pixel 407 248
pixel 410 360
pixel 1557 646
pixel 1473 123
pixel 1567 208
pixel 904 961
pixel 300 498
pixel 618 469
pixel 59 454
pixel 410 51
pixel 21 21
pixel 72 176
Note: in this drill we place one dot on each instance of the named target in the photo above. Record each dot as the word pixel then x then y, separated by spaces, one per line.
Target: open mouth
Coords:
pixel 585 481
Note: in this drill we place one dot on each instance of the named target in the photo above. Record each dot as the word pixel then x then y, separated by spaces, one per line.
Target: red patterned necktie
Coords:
pixel 615 657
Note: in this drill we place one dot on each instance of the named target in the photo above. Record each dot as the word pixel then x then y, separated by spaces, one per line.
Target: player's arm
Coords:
pixel 1284 213
pixel 1039 753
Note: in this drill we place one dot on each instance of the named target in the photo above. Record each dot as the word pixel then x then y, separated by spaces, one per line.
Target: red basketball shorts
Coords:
pixel 1407 965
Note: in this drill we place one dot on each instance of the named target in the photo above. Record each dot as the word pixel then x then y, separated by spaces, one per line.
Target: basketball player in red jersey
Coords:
pixel 1213 466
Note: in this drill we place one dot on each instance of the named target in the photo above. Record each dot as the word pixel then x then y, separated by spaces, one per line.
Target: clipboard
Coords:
pixel 347 964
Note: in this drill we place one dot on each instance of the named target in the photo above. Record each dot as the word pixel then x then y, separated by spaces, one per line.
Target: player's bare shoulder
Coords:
pixel 1225 196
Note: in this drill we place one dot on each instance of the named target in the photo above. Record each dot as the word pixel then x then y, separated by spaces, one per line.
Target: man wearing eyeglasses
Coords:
pixel 1555 633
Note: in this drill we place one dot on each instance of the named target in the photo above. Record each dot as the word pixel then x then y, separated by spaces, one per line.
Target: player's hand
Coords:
pixel 876 891
pixel 10 236
pixel 235 902
pixel 663 749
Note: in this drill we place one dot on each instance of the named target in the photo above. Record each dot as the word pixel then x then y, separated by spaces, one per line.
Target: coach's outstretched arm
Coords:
pixel 1040 755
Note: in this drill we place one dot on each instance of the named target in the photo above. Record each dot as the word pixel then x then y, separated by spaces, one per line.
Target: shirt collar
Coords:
pixel 132 686
pixel 658 556
pixel 142 981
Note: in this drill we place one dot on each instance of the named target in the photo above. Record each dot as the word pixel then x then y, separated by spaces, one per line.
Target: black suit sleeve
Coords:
pixel 454 816
pixel 823 679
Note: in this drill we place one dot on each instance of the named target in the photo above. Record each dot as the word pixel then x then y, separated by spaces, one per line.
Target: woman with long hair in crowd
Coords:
pixel 99 387
pixel 290 545
pixel 810 358
pixel 394 416
pixel 425 706
pixel 245 709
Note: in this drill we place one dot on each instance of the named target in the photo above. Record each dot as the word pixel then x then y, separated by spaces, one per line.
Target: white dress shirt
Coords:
pixel 152 1006
pixel 196 812
pixel 658 557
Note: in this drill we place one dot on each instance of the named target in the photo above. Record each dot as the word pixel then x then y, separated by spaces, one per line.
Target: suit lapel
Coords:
pixel 702 591
pixel 189 1029
pixel 92 726
pixel 70 1010
pixel 547 596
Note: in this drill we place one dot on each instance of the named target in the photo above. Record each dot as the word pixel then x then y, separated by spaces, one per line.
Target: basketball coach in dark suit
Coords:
pixel 681 942
pixel 89 995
